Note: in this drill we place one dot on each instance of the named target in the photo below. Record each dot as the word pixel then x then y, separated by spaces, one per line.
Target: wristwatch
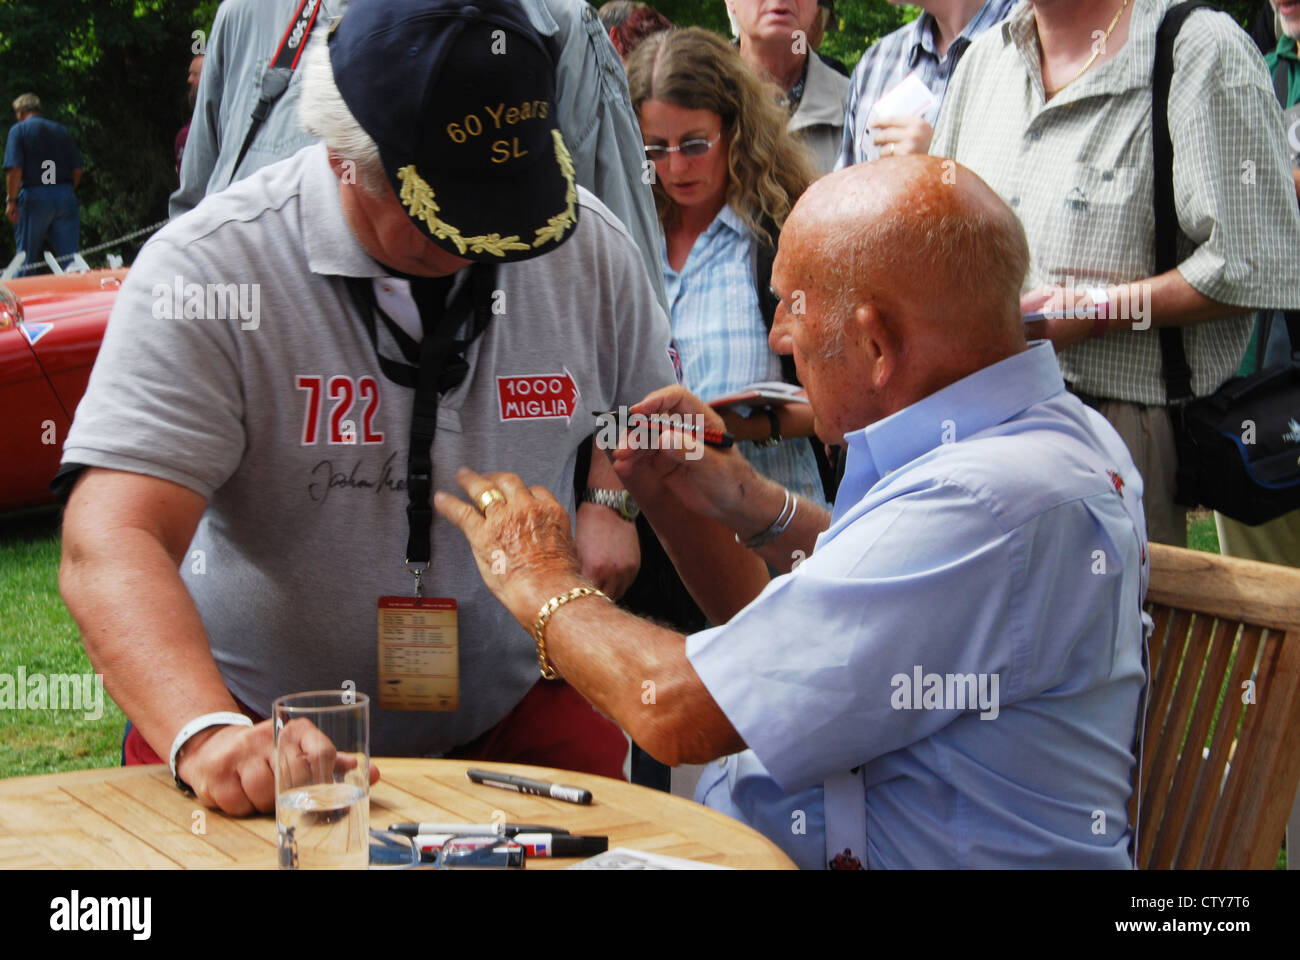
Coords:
pixel 618 500
pixel 775 437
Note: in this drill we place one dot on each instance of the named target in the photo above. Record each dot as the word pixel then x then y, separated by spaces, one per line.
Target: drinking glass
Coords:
pixel 322 780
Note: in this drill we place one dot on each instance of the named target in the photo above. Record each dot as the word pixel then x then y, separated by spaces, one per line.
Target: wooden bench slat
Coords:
pixel 1191 756
pixel 1205 795
pixel 1179 691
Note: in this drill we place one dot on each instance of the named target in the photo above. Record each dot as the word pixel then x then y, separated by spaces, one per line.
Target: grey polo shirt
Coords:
pixel 291 431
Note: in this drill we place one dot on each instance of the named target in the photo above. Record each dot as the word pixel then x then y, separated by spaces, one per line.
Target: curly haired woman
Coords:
pixel 726 175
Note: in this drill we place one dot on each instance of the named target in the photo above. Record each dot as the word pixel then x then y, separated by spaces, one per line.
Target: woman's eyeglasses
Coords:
pixel 688 148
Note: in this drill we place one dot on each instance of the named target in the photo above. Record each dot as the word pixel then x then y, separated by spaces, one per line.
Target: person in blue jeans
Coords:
pixel 42 171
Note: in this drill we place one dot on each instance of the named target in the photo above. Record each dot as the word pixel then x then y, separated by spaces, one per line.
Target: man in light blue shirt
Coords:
pixel 950 674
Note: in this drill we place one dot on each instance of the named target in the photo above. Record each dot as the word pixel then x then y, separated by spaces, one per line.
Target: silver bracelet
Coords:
pixel 778 525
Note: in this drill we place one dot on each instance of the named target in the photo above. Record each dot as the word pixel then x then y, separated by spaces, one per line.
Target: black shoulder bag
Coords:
pixel 1239 448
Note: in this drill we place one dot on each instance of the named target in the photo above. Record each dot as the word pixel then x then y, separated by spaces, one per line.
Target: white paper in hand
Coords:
pixel 910 98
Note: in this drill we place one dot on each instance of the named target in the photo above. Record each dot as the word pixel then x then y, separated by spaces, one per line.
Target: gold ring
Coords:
pixel 891 149
pixel 489 497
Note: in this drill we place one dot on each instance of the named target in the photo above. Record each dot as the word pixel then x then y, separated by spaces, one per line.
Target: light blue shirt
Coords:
pixel 722 341
pixel 993 528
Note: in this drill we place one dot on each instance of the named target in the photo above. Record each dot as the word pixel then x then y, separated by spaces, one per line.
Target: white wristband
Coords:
pixel 1099 300
pixel 202 723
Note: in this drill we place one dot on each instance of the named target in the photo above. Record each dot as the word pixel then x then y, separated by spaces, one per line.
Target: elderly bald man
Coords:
pixel 950 673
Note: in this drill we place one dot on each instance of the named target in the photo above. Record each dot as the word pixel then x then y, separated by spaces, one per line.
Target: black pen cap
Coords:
pixel 567 846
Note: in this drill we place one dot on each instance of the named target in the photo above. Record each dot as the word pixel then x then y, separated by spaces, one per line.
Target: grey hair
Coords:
pixel 27 103
pixel 323 114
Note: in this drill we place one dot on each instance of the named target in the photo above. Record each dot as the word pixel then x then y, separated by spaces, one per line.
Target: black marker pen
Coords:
pixel 478 829
pixel 539 788
pixel 561 845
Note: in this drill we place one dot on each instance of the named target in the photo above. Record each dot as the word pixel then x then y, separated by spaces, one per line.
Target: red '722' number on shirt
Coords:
pixel 343 391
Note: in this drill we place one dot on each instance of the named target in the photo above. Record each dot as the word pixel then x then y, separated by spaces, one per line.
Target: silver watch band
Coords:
pixel 617 500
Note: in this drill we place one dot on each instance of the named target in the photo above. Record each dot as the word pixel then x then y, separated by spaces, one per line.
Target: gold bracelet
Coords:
pixel 544 616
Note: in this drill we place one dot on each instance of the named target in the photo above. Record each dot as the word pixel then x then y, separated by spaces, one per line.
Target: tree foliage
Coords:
pixel 113 72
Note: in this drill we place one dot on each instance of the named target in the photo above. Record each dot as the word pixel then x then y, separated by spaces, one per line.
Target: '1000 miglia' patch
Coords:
pixel 542 396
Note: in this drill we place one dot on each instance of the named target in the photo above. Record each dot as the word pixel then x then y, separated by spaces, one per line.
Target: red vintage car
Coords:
pixel 50 331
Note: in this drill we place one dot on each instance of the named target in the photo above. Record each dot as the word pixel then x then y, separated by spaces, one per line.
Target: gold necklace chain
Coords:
pixel 1095 53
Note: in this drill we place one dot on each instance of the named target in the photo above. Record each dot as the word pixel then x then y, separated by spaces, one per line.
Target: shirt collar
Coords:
pixel 331 247
pixel 730 218
pixel 795 95
pixel 1131 68
pixel 922 39
pixel 1286 47
pixel 986 398
pixel 923 30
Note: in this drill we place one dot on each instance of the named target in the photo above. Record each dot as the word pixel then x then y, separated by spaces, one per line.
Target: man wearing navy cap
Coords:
pixel 425 287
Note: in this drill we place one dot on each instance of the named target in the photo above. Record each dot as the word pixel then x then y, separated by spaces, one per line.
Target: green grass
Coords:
pixel 38 634
pixel 1201 534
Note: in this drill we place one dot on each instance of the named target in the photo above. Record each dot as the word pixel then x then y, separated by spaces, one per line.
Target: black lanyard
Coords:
pixel 435 365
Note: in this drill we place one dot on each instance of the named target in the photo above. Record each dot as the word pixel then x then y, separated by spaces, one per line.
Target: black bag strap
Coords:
pixel 1173 355
pixel 277 77
pixel 1281 80
pixel 762 256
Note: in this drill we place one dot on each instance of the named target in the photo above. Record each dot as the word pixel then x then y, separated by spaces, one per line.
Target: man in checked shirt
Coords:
pixel 1052 109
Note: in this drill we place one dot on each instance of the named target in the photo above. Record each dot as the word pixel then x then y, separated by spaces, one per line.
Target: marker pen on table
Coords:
pixel 480 829
pixel 561 845
pixel 539 788
pixel 536 844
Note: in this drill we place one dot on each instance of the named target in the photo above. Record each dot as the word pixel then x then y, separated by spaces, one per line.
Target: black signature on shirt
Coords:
pixel 326 478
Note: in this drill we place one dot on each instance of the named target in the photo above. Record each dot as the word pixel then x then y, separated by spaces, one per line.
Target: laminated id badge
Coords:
pixel 419 654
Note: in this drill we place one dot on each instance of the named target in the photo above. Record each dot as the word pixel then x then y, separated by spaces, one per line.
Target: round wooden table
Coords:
pixel 133 817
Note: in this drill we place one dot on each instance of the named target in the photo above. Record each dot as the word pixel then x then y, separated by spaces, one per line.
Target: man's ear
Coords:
pixel 338 164
pixel 877 343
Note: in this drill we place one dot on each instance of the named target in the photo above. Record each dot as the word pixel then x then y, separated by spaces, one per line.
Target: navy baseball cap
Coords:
pixel 460 99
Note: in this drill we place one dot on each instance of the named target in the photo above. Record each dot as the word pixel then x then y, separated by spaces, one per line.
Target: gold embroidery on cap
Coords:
pixel 558 224
pixel 417 196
